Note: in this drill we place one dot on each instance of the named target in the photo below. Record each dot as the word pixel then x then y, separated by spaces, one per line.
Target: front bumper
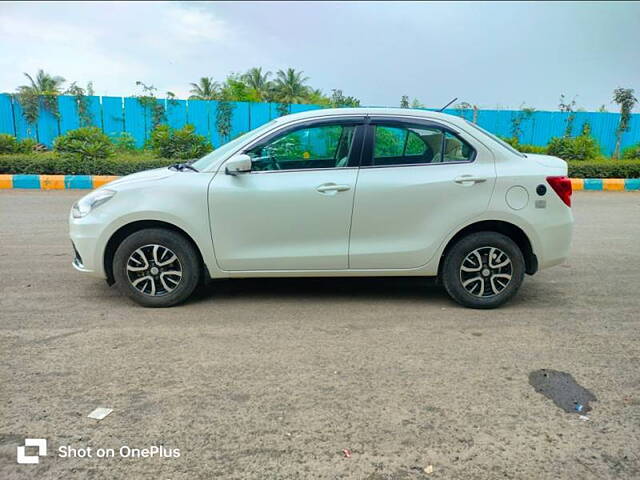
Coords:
pixel 77 260
pixel 85 238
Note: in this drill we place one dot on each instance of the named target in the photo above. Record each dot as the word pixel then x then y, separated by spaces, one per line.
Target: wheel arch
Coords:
pixel 508 229
pixel 124 231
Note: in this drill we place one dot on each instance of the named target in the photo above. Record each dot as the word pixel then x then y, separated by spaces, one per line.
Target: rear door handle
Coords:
pixel 469 180
pixel 332 187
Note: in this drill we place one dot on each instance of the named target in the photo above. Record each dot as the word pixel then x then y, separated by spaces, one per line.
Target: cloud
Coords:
pixel 112 44
pixel 486 53
pixel 192 25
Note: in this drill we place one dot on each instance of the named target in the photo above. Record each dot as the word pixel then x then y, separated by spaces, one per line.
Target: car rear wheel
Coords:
pixel 483 270
pixel 156 267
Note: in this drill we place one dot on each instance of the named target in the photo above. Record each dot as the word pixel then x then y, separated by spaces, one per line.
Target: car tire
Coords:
pixel 157 267
pixel 483 270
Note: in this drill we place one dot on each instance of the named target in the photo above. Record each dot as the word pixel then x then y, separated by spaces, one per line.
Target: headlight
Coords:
pixel 87 203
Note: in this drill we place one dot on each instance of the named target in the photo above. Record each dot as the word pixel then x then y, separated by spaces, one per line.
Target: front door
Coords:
pixel 293 210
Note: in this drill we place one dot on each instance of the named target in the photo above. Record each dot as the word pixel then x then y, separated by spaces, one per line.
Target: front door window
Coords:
pixel 325 146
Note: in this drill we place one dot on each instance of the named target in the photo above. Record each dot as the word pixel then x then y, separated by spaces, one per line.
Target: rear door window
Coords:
pixel 414 145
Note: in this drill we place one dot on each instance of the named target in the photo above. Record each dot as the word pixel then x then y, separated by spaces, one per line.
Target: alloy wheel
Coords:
pixel 486 272
pixel 154 270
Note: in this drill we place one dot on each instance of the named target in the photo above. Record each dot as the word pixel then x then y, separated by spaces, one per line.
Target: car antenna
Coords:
pixel 448 104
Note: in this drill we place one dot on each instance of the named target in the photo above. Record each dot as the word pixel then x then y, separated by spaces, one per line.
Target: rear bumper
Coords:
pixel 555 243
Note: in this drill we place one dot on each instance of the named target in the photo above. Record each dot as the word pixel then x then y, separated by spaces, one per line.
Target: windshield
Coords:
pixel 221 152
pixel 497 139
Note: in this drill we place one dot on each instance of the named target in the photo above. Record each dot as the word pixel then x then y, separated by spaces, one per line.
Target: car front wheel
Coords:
pixel 483 270
pixel 156 267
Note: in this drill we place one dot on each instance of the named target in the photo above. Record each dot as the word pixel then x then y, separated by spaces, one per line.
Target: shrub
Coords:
pixel 86 143
pixel 527 148
pixel 582 147
pixel 513 141
pixel 631 153
pixel 54 164
pixel 124 142
pixel 524 147
pixel 604 168
pixel 28 145
pixel 10 144
pixel 182 143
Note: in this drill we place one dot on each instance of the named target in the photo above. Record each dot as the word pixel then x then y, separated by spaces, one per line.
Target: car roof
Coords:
pixel 373 111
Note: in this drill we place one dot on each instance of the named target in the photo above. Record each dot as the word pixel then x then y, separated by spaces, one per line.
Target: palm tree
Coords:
pixel 258 82
pixel 44 84
pixel 317 97
pixel 290 88
pixel 205 89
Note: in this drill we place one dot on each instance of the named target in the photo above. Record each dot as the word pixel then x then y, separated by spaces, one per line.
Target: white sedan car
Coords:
pixel 337 192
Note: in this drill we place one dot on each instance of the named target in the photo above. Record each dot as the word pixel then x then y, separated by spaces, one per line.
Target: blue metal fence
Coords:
pixel 115 115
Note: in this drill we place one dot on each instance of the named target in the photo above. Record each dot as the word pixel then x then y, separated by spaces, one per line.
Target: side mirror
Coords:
pixel 238 164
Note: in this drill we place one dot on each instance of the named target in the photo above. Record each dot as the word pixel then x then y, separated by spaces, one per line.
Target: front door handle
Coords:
pixel 468 180
pixel 332 187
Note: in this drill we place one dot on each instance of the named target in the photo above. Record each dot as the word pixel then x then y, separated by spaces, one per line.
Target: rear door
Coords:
pixel 418 182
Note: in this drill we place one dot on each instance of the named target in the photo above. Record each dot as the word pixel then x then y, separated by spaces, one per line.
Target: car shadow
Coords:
pixel 323 288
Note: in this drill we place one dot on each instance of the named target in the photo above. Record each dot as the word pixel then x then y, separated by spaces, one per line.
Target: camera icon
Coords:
pixel 22 456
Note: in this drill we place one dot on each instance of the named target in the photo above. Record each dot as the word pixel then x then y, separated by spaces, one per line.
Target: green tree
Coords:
pixel 224 114
pixel 150 103
pixel 236 90
pixel 283 109
pixel 205 89
pixel 290 87
pixel 258 82
pixel 340 100
pixel 317 97
pixel 625 98
pixel 404 101
pixel 44 86
pixel 82 103
pixel 462 108
pixel 570 108
pixel 523 114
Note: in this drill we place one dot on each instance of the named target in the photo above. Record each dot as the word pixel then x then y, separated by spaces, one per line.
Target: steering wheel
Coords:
pixel 270 161
pixel 273 164
pixel 265 163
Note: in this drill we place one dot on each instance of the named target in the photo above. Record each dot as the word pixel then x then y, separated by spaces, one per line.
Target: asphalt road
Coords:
pixel 272 379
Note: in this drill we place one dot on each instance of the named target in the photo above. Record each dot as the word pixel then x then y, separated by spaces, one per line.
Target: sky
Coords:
pixel 492 54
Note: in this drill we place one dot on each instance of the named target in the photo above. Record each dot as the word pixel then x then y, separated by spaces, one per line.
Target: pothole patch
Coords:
pixel 562 388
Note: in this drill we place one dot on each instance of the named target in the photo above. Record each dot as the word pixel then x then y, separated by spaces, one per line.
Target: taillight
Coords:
pixel 562 186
